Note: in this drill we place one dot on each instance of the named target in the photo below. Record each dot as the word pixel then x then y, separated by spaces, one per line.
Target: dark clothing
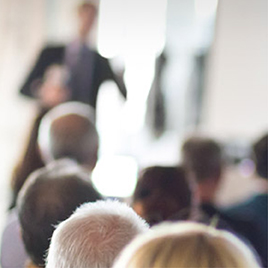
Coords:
pixel 244 228
pixel 30 161
pixel 224 222
pixel 255 211
pixel 99 71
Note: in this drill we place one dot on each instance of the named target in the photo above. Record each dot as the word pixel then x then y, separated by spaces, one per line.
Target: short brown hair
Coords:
pixel 260 150
pixel 164 193
pixel 203 157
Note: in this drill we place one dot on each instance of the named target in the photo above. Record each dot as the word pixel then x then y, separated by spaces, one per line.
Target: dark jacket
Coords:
pixel 55 55
pixel 254 210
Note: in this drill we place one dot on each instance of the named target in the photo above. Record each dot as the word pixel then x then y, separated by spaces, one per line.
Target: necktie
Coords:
pixel 81 69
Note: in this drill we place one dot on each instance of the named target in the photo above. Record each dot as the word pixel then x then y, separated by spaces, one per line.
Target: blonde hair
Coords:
pixel 186 245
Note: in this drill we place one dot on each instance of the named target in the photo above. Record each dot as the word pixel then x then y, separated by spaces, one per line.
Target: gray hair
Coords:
pixel 94 235
pixel 68 131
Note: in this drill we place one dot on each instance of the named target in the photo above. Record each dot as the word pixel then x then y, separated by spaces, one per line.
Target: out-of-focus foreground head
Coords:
pixel 260 150
pixel 68 131
pixel 94 235
pixel 203 158
pixel 186 245
pixel 50 195
pixel 163 193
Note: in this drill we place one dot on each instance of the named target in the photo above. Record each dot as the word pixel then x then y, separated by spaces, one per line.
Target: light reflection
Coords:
pixel 135 32
pixel 115 176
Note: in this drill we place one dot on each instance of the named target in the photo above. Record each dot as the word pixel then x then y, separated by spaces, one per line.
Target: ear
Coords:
pixel 96 155
pixel 138 208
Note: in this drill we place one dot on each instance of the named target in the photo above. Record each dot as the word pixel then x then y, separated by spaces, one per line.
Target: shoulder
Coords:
pixel 246 207
pixel 98 56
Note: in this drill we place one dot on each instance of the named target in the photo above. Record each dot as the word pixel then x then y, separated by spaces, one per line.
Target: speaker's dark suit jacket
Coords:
pixel 55 55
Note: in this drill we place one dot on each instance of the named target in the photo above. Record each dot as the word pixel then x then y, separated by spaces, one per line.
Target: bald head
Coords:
pixel 68 130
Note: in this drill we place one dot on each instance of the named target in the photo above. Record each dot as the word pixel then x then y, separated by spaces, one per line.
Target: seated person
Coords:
pixel 256 207
pixel 164 193
pixel 56 92
pixel 203 160
pixel 68 131
pixel 65 131
pixel 49 196
pixel 94 235
pixel 184 245
pixel 13 253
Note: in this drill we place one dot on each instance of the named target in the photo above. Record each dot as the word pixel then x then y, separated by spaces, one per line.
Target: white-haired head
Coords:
pixel 94 235
pixel 68 131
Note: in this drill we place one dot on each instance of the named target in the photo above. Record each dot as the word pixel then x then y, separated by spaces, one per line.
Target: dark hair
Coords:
pixel 164 192
pixel 49 196
pixel 29 162
pixel 203 157
pixel 260 150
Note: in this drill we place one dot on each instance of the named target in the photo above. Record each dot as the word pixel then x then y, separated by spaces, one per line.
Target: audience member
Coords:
pixel 203 158
pixel 163 193
pixel 68 131
pixel 29 162
pixel 186 245
pixel 87 69
pixel 49 196
pixel 65 131
pixel 94 235
pixel 13 253
pixel 255 208
pixel 53 83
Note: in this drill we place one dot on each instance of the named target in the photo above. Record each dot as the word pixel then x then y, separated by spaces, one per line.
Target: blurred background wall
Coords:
pixel 237 82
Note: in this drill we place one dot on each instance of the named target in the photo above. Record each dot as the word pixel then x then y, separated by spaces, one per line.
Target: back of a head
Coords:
pixel 203 158
pixel 94 4
pixel 68 130
pixel 186 245
pixel 94 235
pixel 163 193
pixel 49 196
pixel 260 150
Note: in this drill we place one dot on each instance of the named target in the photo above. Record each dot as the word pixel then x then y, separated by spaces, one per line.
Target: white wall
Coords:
pixel 237 87
pixel 21 35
